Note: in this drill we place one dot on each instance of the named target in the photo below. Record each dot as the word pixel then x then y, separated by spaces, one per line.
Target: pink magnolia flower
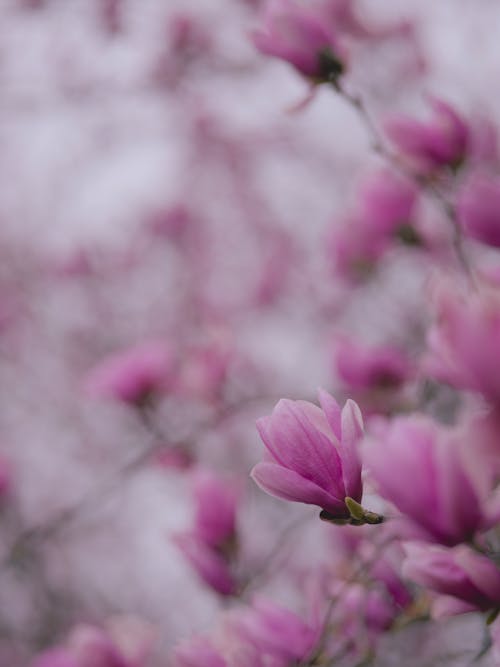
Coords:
pixel 479 209
pixel 441 141
pixel 300 35
pixel 459 572
pixel 463 345
pixel 211 544
pixel 133 374
pixel 384 214
pixel 216 506
pixel 197 652
pixel 386 201
pixel 360 367
pixel 312 453
pixel 353 253
pixel 210 565
pixel 418 467
pixel 273 630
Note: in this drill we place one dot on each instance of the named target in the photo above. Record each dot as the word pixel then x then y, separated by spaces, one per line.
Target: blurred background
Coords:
pixel 167 206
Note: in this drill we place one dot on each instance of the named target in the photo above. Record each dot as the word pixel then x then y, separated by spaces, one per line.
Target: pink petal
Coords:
pixel 352 432
pixel 298 445
pixel 289 485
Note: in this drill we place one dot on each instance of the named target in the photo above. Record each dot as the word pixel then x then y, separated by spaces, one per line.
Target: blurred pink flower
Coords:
pixel 441 141
pixel 354 253
pixel 173 458
pixel 417 466
pixel 93 648
pixel 312 453
pixel 363 613
pixel 211 566
pixel 133 636
pixel 479 209
pixel 133 374
pixel 300 35
pixel 360 367
pixel 212 542
pixel 216 502
pixel 386 201
pixel 463 345
pixel 90 646
pixel 459 572
pixel 273 630
pixel 383 215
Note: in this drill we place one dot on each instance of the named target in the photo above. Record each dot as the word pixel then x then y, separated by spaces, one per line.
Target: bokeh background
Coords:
pixel 158 183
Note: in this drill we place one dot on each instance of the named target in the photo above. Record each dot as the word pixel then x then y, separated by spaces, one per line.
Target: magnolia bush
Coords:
pixel 249 333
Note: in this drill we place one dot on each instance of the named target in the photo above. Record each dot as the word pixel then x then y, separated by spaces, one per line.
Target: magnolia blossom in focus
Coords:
pixel 133 374
pixel 312 455
pixel 442 141
pixel 479 209
pixel 300 35
pixel 460 573
pixel 417 466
